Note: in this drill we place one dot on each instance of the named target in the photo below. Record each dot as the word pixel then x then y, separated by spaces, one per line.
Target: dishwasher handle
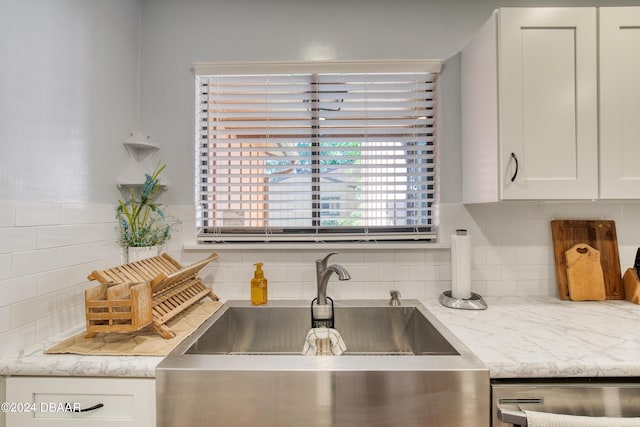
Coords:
pixel 512 416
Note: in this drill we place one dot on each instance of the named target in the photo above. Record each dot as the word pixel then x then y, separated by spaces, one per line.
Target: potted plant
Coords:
pixel 142 224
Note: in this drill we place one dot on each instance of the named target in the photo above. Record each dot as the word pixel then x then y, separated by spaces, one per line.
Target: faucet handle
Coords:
pixel 394 297
pixel 324 261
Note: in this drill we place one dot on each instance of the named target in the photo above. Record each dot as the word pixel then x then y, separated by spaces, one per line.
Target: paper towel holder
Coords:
pixel 475 302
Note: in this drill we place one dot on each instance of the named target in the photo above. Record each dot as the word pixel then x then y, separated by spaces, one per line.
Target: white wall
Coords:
pixel 68 96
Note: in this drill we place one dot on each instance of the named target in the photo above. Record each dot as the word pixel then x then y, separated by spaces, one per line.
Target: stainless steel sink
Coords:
pixel 244 367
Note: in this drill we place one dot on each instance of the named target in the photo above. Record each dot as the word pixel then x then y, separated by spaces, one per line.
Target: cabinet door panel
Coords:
pixel 549 143
pixel 620 102
pixel 548 102
pixel 55 401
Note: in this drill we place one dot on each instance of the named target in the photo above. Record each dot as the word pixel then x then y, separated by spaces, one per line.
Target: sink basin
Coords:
pixel 245 366
pixel 281 330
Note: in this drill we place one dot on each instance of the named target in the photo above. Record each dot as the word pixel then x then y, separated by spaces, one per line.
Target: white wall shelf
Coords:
pixel 141 151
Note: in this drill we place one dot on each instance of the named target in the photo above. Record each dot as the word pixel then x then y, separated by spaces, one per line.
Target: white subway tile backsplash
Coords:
pixel 628 255
pixel 500 256
pixel 438 256
pixel 409 257
pixel 62 278
pixel 17 239
pixel 524 239
pixel 486 272
pixel 284 258
pixel 28 311
pixel 479 287
pixel 628 231
pixel 15 340
pixel 362 272
pixel 252 257
pixel 19 289
pixel 378 257
pixel 273 273
pixel 65 235
pixel 343 290
pixel 379 290
pixel 30 214
pixel 233 274
pixel 32 262
pixel 532 287
pixel 5 318
pixel 5 267
pixel 7 214
pixel 345 257
pixel 284 290
pixel 64 320
pixel 79 254
pixel 72 296
pixel 444 272
pixel 299 274
pixel 393 273
pixel 532 255
pixel 46 252
pixel 424 273
pixel 88 213
pixel 513 253
pixel 516 272
pixel 502 287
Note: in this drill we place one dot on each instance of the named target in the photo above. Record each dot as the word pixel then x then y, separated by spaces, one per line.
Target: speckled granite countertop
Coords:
pixel 516 337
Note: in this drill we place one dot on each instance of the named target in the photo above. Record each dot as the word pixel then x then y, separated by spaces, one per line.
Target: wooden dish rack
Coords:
pixel 151 291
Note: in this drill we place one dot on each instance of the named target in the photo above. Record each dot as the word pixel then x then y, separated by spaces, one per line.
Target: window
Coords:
pixel 316 155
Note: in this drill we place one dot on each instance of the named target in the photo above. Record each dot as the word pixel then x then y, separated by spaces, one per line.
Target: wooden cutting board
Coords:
pixel 584 273
pixel 600 235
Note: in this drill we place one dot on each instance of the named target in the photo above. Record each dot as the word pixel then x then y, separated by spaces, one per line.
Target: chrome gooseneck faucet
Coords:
pixel 323 272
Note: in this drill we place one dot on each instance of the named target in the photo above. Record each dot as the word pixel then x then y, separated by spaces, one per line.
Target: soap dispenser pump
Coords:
pixel 258 286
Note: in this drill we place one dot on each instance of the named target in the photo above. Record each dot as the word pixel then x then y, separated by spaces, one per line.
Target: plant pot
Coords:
pixel 142 252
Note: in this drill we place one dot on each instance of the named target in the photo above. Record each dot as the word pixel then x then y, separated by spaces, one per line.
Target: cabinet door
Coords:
pixel 620 103
pixel 547 73
pixel 86 402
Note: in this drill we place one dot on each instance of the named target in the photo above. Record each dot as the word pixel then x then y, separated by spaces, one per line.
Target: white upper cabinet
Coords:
pixel 620 103
pixel 529 106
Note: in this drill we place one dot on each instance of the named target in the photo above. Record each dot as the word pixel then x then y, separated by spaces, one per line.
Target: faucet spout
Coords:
pixel 323 273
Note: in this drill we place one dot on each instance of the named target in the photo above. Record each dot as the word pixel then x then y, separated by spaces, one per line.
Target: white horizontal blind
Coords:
pixel 316 156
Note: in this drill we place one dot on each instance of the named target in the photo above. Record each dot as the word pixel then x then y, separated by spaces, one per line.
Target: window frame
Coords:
pixel 244 68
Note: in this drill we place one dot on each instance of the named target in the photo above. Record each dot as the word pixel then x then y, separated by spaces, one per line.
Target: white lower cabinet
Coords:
pixel 79 401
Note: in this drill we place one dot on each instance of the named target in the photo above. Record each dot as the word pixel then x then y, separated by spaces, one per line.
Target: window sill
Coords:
pixel 316 246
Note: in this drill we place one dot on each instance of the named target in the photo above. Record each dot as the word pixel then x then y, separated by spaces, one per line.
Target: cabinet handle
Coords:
pixel 92 408
pixel 513 156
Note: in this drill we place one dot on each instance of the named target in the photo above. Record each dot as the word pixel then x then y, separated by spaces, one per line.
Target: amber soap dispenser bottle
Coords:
pixel 258 286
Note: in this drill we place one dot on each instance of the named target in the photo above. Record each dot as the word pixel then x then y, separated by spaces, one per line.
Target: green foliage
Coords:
pixel 141 222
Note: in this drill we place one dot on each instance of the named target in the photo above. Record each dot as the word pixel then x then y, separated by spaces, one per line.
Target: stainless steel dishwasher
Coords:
pixel 607 397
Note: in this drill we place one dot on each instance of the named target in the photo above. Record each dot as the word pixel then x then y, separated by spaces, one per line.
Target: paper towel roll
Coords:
pixel 461 265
